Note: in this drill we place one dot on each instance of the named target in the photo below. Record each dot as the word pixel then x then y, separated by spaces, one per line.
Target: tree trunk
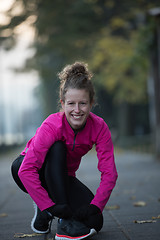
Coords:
pixel 155 61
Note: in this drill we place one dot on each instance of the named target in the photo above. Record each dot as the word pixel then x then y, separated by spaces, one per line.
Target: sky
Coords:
pixel 16 90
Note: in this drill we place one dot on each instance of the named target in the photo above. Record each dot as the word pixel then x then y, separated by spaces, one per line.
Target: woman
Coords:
pixel 46 169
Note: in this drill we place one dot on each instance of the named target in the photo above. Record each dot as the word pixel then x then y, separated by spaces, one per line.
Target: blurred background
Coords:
pixel 120 41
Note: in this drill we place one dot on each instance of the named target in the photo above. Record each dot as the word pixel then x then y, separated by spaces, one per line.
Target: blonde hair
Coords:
pixel 76 76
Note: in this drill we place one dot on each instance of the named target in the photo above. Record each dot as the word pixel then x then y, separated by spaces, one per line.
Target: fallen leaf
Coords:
pixel 3 215
pixel 158 217
pixel 114 207
pixel 22 235
pixel 139 204
pixel 144 221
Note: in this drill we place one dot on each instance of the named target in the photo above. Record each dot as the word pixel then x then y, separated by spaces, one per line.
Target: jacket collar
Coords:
pixel 71 129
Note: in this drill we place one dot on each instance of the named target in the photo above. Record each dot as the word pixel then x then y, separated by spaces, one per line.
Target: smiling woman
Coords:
pixel 77 107
pixel 46 168
pixel 76 93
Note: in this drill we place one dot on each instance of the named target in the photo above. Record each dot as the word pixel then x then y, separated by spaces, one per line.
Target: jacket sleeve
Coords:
pixel 106 165
pixel 33 161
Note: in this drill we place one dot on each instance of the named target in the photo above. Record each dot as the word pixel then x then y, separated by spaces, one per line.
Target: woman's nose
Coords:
pixel 77 109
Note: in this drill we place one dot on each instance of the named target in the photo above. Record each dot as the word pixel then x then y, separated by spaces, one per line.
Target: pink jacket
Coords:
pixel 54 128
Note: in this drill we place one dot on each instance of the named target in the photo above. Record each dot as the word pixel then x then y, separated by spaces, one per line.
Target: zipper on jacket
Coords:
pixel 74 140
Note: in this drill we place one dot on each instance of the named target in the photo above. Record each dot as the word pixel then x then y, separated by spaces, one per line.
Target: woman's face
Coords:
pixel 77 107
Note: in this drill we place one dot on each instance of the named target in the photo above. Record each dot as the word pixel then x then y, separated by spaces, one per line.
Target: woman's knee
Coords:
pixel 58 148
pixel 16 165
pixel 55 163
pixel 14 170
pixel 56 154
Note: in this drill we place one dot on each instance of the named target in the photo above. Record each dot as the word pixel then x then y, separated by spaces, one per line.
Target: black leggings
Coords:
pixel 62 189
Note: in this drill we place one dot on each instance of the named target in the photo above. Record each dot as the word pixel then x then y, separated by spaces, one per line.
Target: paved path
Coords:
pixel 139 178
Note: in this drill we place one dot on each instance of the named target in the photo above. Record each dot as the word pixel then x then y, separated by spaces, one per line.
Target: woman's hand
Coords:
pixel 60 211
pixel 86 212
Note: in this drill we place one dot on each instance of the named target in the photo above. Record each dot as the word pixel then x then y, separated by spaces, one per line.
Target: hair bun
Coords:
pixel 77 69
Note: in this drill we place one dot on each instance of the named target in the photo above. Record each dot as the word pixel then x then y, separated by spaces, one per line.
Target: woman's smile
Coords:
pixel 76 116
pixel 77 107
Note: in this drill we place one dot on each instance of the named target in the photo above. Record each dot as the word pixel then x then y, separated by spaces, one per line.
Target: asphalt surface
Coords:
pixel 138 184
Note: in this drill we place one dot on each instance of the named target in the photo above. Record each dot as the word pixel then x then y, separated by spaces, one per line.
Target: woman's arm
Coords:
pixel 32 163
pixel 106 166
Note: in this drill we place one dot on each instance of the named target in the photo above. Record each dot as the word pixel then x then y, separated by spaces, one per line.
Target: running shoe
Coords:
pixel 41 222
pixel 72 229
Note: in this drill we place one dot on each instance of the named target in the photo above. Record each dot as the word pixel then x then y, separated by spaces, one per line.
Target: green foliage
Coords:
pixel 108 34
pixel 120 67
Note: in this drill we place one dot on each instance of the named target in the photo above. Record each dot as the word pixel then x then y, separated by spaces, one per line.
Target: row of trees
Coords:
pixel 115 38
